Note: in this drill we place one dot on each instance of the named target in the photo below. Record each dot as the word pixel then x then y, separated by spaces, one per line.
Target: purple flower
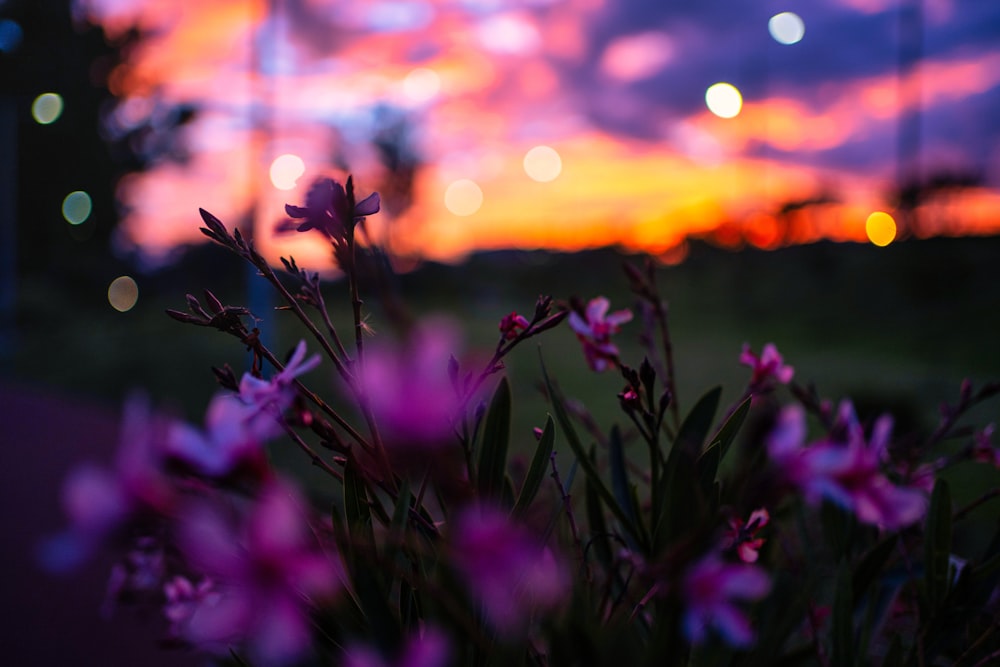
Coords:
pixel 427 648
pixel 326 209
pixel 265 574
pixel 594 328
pixel 507 569
pixel 743 535
pixel 98 501
pixel 233 437
pixel 768 368
pixel 276 395
pixel 711 589
pixel 844 470
pixel 408 387
pixel 513 324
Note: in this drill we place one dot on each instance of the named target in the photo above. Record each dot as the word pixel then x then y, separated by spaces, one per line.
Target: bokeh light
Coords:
pixel 123 293
pixel 10 35
pixel 724 100
pixel 286 170
pixel 47 108
pixel 542 164
pixel 421 85
pixel 786 28
pixel 463 197
pixel 76 207
pixel 880 228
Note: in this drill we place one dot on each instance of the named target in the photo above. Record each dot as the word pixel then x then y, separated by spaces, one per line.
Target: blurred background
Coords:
pixel 822 175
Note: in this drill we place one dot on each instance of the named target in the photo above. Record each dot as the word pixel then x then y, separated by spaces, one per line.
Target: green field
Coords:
pixel 895 328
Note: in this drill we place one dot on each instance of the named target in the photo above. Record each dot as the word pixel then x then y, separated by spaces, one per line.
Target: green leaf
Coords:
pixel 599 540
pixel 871 564
pixel 715 453
pixel 937 546
pixel 589 469
pixel 356 508
pixel 619 473
pixel 496 441
pixel 536 471
pixel 842 632
pixel 695 427
pixel 894 656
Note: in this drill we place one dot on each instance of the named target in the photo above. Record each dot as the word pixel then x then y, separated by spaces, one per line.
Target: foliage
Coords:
pixel 759 533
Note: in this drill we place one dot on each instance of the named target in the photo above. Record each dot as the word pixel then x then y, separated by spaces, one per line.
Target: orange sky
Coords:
pixel 488 87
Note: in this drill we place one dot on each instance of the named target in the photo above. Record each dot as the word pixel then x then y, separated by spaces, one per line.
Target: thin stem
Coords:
pixel 317 460
pixel 986 497
pixel 568 507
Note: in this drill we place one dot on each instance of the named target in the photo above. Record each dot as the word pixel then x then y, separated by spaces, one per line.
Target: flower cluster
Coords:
pixel 668 537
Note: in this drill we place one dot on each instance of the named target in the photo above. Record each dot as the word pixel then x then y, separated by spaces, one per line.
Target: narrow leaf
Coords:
pixel 842 633
pixel 871 564
pixel 589 469
pixel 619 473
pixel 712 457
pixel 695 427
pixel 496 440
pixel 536 471
pixel 356 508
pixel 937 545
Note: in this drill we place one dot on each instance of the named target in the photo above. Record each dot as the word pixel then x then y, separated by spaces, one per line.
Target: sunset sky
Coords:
pixel 875 91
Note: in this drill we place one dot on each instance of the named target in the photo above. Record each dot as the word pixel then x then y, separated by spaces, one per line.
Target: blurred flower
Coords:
pixel 408 387
pixel 844 470
pixel 742 536
pixel 710 589
pixel 266 573
pixel 234 434
pixel 768 368
pixel 507 570
pixel 326 209
pixel 276 395
pixel 184 598
pixel 427 648
pixel 99 501
pixel 594 327
pixel 511 325
pixel 983 449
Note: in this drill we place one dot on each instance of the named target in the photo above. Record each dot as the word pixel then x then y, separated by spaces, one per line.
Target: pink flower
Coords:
pixel 767 368
pixel 594 328
pixel 233 438
pixel 265 574
pixel 427 648
pixel 276 394
pixel 326 209
pixel 99 501
pixel 711 588
pixel 845 471
pixel 513 324
pixel 742 536
pixel 983 449
pixel 507 569
pixel 408 387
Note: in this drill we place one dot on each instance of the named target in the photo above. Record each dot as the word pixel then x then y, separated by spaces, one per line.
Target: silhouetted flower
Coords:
pixel 326 209
pixel 594 328
pixel 711 589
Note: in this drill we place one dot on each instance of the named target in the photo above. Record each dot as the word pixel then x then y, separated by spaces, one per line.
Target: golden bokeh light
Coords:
pixel 463 197
pixel 880 228
pixel 724 100
pixel 123 293
pixel 787 28
pixel 542 164
pixel 286 170
pixel 47 108
pixel 76 207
